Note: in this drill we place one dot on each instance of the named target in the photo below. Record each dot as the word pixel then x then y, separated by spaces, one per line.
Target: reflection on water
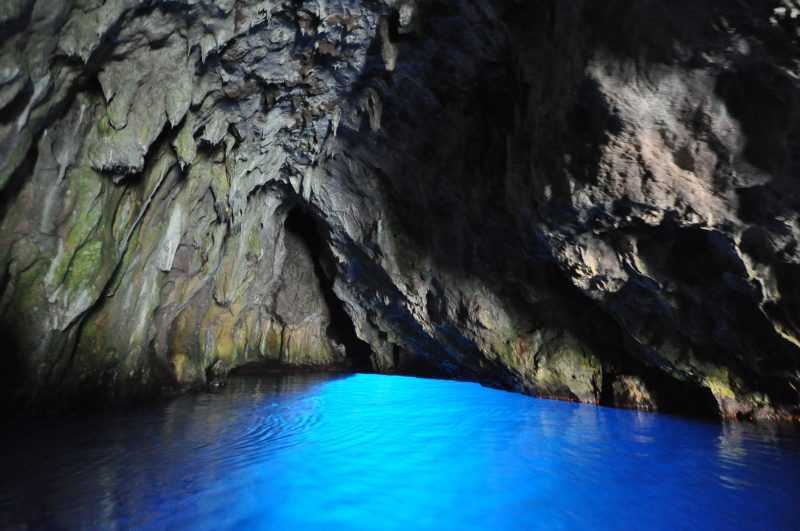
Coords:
pixel 367 452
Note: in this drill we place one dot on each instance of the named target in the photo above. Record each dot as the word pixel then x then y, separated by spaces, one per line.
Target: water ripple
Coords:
pixel 368 451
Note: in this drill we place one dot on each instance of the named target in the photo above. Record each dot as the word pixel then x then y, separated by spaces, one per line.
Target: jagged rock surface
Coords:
pixel 593 201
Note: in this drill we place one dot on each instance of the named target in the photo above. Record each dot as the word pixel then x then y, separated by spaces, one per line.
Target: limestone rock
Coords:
pixel 630 392
pixel 592 201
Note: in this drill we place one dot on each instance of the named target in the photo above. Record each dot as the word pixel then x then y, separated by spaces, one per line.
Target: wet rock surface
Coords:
pixel 579 200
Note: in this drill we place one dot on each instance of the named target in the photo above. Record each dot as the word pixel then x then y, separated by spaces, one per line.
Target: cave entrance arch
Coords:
pixel 302 223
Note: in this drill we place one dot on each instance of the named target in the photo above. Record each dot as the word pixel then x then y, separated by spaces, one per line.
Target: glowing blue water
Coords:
pixel 377 452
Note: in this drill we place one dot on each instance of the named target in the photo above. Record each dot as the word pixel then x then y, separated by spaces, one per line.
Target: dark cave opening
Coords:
pixel 679 397
pixel 304 225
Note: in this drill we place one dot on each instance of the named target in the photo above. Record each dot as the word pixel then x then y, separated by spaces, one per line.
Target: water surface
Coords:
pixel 380 452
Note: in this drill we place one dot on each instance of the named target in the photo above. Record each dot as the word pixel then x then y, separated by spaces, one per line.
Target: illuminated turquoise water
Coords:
pixel 379 452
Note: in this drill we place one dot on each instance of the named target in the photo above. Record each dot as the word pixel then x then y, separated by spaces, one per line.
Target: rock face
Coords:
pixel 591 201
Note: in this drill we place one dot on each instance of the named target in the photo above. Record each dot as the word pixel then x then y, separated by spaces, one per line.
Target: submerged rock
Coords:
pixel 580 200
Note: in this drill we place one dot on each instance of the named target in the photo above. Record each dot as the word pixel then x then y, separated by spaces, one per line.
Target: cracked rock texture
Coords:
pixel 591 201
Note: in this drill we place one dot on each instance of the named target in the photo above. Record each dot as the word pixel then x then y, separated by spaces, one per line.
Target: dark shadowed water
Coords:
pixel 379 452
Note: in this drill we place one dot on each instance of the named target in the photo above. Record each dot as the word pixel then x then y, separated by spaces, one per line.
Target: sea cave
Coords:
pixel 400 264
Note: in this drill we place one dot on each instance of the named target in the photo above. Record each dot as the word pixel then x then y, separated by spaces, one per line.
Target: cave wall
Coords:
pixel 590 201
